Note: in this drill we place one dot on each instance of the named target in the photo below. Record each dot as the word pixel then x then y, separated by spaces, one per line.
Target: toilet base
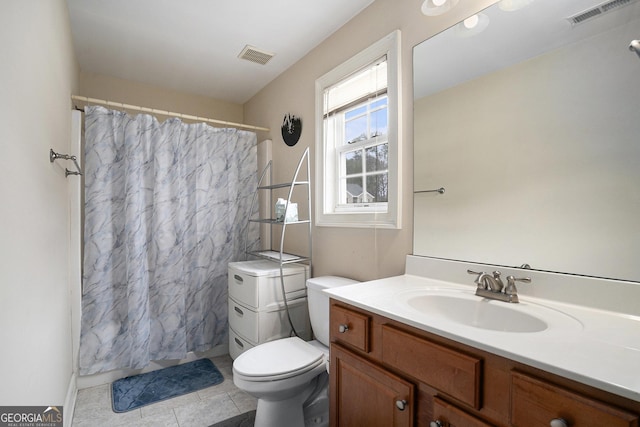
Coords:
pixel 306 408
pixel 316 407
pixel 280 413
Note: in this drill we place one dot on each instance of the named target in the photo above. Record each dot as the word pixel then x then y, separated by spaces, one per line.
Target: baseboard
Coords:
pixel 70 401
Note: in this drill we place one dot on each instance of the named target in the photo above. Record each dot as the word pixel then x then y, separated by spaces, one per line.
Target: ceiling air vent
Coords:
pixel 253 54
pixel 598 10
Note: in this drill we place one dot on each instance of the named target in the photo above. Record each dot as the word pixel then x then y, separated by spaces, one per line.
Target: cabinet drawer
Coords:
pixel 349 327
pixel 535 403
pixel 450 416
pixel 261 326
pixel 454 373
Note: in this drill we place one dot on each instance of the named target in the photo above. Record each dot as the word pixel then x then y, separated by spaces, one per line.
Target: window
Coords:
pixel 357 131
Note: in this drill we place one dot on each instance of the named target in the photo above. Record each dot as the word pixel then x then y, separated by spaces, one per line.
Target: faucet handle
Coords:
pixel 511 284
pixel 479 281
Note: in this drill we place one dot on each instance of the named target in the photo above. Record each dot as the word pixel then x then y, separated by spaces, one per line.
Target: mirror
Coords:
pixel 532 126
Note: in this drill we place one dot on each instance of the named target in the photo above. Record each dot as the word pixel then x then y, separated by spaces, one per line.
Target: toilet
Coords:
pixel 289 376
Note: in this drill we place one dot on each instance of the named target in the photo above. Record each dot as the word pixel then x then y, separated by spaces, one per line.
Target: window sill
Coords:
pixel 357 220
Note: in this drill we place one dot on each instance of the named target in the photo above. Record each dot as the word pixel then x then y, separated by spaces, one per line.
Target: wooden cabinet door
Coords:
pixel 363 394
pixel 450 371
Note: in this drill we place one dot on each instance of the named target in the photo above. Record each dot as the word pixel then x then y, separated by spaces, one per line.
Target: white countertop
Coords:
pixel 597 347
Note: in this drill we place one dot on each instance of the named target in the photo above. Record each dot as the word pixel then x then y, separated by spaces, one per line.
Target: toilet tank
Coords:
pixel 318 302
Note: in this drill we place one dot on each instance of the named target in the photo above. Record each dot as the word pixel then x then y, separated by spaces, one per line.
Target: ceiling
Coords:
pixel 193 45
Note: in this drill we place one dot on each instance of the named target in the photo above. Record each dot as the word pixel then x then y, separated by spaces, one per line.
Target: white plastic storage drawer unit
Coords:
pixel 256 309
pixel 256 284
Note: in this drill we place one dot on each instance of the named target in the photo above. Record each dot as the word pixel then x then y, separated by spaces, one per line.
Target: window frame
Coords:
pixel 328 211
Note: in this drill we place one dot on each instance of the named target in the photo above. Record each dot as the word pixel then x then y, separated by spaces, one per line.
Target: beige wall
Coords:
pixel 129 92
pixel 38 74
pixel 362 254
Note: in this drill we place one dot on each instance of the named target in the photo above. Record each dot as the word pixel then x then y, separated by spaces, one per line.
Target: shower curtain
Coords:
pixel 166 206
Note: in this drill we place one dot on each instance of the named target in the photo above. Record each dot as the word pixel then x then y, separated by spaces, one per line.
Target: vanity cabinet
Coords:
pixel 386 373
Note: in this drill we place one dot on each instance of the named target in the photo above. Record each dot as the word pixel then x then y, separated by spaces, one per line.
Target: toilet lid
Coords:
pixel 278 358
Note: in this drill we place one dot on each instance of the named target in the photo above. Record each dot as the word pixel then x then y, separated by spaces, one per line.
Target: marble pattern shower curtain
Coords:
pixel 165 211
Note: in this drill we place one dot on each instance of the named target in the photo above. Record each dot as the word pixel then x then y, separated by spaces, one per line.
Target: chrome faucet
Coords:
pixel 492 282
pixel 491 286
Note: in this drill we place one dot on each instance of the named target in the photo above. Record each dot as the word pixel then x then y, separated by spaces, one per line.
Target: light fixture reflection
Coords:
pixel 473 25
pixel 512 5
pixel 437 7
pixel 471 22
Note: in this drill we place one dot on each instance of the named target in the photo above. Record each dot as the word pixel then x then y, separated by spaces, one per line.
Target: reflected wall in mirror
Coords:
pixel 533 127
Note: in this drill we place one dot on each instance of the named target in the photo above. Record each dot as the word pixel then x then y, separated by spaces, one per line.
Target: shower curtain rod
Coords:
pixel 165 113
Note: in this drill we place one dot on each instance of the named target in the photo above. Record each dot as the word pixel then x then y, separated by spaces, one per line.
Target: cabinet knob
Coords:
pixel 436 423
pixel 343 328
pixel 558 422
pixel 401 404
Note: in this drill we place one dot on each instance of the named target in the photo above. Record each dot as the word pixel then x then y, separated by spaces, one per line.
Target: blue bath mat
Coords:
pixel 140 390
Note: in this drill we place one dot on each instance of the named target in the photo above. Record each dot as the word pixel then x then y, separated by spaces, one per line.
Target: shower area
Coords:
pixel 162 212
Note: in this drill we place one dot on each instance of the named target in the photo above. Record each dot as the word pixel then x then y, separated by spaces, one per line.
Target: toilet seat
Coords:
pixel 276 360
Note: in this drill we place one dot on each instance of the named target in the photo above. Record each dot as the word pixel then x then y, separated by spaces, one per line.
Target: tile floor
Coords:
pixel 199 409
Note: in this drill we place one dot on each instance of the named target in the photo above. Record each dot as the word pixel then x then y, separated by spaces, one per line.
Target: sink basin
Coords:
pixel 467 309
pixel 480 313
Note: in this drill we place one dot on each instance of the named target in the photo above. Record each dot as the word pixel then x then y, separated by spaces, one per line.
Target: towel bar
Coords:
pixel 54 156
